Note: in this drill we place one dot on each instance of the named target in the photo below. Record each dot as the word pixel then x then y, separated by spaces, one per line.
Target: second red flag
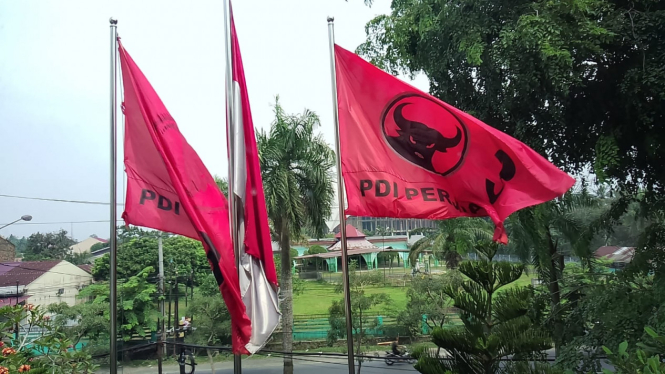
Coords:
pixel 408 154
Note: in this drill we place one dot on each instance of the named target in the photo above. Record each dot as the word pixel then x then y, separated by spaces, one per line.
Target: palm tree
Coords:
pixel 544 234
pixel 453 238
pixel 298 184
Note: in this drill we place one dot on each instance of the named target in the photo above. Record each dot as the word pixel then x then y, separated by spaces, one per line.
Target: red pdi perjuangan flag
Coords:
pixel 407 154
pixel 258 279
pixel 169 188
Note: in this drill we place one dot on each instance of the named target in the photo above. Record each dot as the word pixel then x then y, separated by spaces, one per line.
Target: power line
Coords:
pixel 59 200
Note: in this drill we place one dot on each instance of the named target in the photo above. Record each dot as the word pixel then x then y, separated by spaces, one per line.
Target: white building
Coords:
pixel 85 245
pixel 41 282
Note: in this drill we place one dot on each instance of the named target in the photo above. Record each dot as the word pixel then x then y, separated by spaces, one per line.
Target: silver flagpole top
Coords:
pixel 113 21
pixel 331 19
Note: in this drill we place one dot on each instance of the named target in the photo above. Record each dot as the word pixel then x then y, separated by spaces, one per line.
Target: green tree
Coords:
pixel 48 351
pixel 428 302
pixel 78 258
pixel 19 243
pixel 91 321
pixel 579 81
pixel 646 359
pixel 181 254
pixel 48 246
pixel 314 250
pixel 543 235
pixel 361 303
pixel 136 299
pixel 452 238
pixel 213 321
pixel 495 321
pixel 97 246
pixel 223 185
pixel 296 167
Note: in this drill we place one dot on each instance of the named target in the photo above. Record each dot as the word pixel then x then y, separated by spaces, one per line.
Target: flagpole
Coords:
pixel 237 363
pixel 112 235
pixel 340 197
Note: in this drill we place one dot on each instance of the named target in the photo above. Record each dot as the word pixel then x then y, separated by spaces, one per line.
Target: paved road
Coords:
pixel 317 365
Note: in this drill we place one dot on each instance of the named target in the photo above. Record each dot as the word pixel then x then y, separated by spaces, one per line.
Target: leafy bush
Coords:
pixel 644 360
pixel 48 352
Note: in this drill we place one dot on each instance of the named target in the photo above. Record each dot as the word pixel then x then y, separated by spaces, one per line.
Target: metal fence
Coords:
pixel 315 327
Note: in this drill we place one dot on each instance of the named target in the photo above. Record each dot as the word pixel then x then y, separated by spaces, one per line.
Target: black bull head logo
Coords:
pixel 418 142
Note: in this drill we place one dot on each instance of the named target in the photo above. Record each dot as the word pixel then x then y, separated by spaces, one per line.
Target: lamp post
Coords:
pixel 26 217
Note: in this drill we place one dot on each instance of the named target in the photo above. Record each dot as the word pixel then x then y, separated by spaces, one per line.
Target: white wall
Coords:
pixel 69 277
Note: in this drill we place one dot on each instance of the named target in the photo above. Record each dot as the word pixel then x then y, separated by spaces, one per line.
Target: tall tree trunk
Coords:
pixel 212 361
pixel 287 298
pixel 555 264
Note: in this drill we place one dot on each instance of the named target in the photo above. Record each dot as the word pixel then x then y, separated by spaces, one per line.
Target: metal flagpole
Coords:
pixel 340 197
pixel 237 363
pixel 112 237
pixel 162 308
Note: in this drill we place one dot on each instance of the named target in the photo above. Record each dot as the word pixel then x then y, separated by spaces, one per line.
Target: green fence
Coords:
pixel 315 327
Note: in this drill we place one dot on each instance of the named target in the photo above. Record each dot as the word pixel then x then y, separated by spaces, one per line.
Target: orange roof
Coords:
pixel 351 232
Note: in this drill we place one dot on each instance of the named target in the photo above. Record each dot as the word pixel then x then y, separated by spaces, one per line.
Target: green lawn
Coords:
pixel 318 296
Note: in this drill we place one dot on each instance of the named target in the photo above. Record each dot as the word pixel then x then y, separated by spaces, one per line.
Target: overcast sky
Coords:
pixel 54 87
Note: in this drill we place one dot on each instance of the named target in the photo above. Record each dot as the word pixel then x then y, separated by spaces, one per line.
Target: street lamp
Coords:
pixel 26 217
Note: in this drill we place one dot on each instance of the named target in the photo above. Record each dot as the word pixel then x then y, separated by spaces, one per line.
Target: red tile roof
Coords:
pixel 86 267
pixel 351 232
pixel 616 254
pixel 23 272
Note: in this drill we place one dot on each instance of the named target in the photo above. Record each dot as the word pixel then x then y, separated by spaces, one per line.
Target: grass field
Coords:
pixel 318 296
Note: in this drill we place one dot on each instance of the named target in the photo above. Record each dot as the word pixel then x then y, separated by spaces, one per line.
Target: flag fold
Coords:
pixel 258 280
pixel 407 154
pixel 170 189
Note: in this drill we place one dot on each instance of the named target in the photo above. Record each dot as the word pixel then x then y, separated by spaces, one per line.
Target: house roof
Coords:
pixel 615 253
pixel 86 267
pixel 23 272
pixel 358 243
pixel 351 232
pixel 5 240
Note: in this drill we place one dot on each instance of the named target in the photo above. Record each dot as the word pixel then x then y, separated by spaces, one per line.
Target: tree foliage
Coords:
pixel 97 246
pixel 580 81
pixel 544 234
pixel 182 255
pixel 453 238
pixel 47 351
pixel 136 299
pixel 361 303
pixel 19 243
pixel 48 246
pixel 213 321
pixel 496 324
pixel 428 302
pixel 296 168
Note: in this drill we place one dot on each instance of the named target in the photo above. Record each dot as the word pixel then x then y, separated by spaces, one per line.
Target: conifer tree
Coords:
pixel 495 322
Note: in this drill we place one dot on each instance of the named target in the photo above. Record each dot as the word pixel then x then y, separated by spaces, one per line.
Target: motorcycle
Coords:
pixel 391 358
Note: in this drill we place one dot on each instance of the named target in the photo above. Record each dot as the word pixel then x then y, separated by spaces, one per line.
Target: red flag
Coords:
pixel 258 279
pixel 170 189
pixel 407 154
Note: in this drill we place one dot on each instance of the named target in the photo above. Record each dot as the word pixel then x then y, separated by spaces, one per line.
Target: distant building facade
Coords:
pixel 41 282
pixel 7 250
pixel 85 245
pixel 620 257
pixel 394 226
